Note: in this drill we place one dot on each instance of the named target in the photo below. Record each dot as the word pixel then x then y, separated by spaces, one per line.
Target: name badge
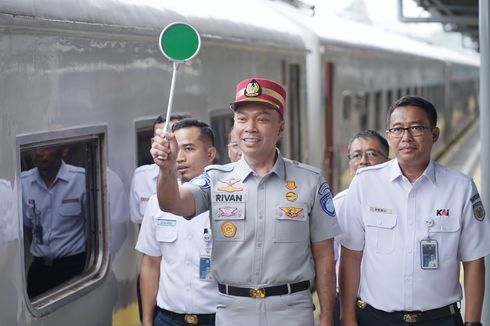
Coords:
pixel 429 257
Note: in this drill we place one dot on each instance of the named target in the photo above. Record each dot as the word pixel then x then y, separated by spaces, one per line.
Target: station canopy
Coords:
pixel 456 16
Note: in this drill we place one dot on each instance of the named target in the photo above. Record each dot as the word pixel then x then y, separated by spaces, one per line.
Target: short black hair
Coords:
pixel 368 133
pixel 417 101
pixel 173 116
pixel 206 136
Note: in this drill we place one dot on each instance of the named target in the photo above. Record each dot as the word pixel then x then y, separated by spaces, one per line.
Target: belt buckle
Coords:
pixel 257 293
pixel 361 304
pixel 191 319
pixel 410 318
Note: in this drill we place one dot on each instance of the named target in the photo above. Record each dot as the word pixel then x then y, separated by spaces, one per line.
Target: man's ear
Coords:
pixel 435 134
pixel 281 127
pixel 211 154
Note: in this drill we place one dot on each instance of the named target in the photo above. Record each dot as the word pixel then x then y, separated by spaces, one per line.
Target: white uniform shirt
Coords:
pixel 61 211
pixel 338 202
pixel 143 185
pixel 181 244
pixel 388 217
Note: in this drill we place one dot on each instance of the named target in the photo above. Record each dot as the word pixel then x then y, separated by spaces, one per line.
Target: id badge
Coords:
pixel 205 268
pixel 429 257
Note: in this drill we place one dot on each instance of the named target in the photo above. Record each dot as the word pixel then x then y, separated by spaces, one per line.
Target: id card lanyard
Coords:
pixel 429 248
pixel 205 257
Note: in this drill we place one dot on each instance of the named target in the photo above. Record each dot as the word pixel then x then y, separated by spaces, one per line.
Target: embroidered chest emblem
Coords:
pixel 230 185
pixel 291 212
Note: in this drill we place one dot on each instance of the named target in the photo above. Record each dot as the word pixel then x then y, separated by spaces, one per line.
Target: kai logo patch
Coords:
pixel 291 212
pixel 444 212
pixel 230 185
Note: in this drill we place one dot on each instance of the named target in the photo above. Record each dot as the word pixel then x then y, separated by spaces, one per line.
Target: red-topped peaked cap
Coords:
pixel 260 90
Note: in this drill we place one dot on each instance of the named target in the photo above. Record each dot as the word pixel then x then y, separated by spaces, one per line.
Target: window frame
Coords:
pixel 98 258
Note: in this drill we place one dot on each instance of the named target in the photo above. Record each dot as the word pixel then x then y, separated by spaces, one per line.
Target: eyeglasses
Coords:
pixel 370 154
pixel 415 131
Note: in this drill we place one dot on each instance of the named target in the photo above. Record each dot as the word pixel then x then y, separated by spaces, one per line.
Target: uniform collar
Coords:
pixel 244 170
pixel 429 172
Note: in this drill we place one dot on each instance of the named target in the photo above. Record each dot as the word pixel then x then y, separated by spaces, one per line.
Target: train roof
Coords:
pixel 332 29
pixel 250 22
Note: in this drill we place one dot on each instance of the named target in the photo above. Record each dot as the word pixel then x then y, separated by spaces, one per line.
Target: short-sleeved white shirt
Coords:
pixel 338 202
pixel 61 210
pixel 143 185
pixel 181 244
pixel 387 217
pixel 263 227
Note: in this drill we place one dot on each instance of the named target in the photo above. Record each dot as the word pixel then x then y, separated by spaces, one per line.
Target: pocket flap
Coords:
pixel 71 209
pixel 381 220
pixel 444 226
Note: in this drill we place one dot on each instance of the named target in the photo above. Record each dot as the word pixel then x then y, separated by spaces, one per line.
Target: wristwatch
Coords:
pixel 475 323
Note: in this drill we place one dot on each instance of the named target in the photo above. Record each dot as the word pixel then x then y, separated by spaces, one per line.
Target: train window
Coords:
pixel 346 105
pixel 144 133
pixel 399 93
pixel 295 120
pixel 377 110
pixel 65 233
pixel 221 123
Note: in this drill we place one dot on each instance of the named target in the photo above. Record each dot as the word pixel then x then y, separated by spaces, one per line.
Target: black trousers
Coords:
pixel 371 317
pixel 45 274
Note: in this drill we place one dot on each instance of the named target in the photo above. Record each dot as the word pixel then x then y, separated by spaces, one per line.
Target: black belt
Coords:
pixel 414 316
pixel 264 292
pixel 190 319
pixel 55 261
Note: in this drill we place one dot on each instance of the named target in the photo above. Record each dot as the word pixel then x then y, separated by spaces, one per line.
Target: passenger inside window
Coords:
pixel 54 209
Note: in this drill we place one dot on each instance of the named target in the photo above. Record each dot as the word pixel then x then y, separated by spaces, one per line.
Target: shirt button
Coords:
pixel 259 245
pixel 187 262
pixel 257 273
pixel 260 217
pixel 379 222
pixel 261 187
pixel 410 222
pixel 410 250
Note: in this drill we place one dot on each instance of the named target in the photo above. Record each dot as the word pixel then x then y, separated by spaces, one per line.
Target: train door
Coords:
pixel 221 123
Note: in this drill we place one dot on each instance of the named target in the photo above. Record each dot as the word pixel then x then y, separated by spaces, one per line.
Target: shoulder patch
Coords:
pixel 326 201
pixel 478 211
pixel 202 181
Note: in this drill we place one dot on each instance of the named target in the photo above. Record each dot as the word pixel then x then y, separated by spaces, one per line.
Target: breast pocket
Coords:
pixel 229 222
pixel 166 234
pixel 291 223
pixel 446 232
pixel 380 232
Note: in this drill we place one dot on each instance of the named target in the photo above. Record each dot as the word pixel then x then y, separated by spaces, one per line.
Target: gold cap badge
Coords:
pixel 253 89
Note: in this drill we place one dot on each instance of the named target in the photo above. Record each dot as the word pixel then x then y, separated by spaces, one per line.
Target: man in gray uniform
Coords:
pixel 273 220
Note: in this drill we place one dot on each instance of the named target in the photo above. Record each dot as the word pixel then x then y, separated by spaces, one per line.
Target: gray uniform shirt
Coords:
pixel 263 226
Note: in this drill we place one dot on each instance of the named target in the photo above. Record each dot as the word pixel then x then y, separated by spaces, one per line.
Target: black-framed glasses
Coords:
pixel 370 154
pixel 415 131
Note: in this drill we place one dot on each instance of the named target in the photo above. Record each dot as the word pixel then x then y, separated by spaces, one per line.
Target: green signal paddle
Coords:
pixel 179 43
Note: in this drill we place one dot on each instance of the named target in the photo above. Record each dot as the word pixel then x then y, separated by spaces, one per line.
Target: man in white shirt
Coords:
pixel 145 176
pixel 175 269
pixel 412 222
pixel 366 148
